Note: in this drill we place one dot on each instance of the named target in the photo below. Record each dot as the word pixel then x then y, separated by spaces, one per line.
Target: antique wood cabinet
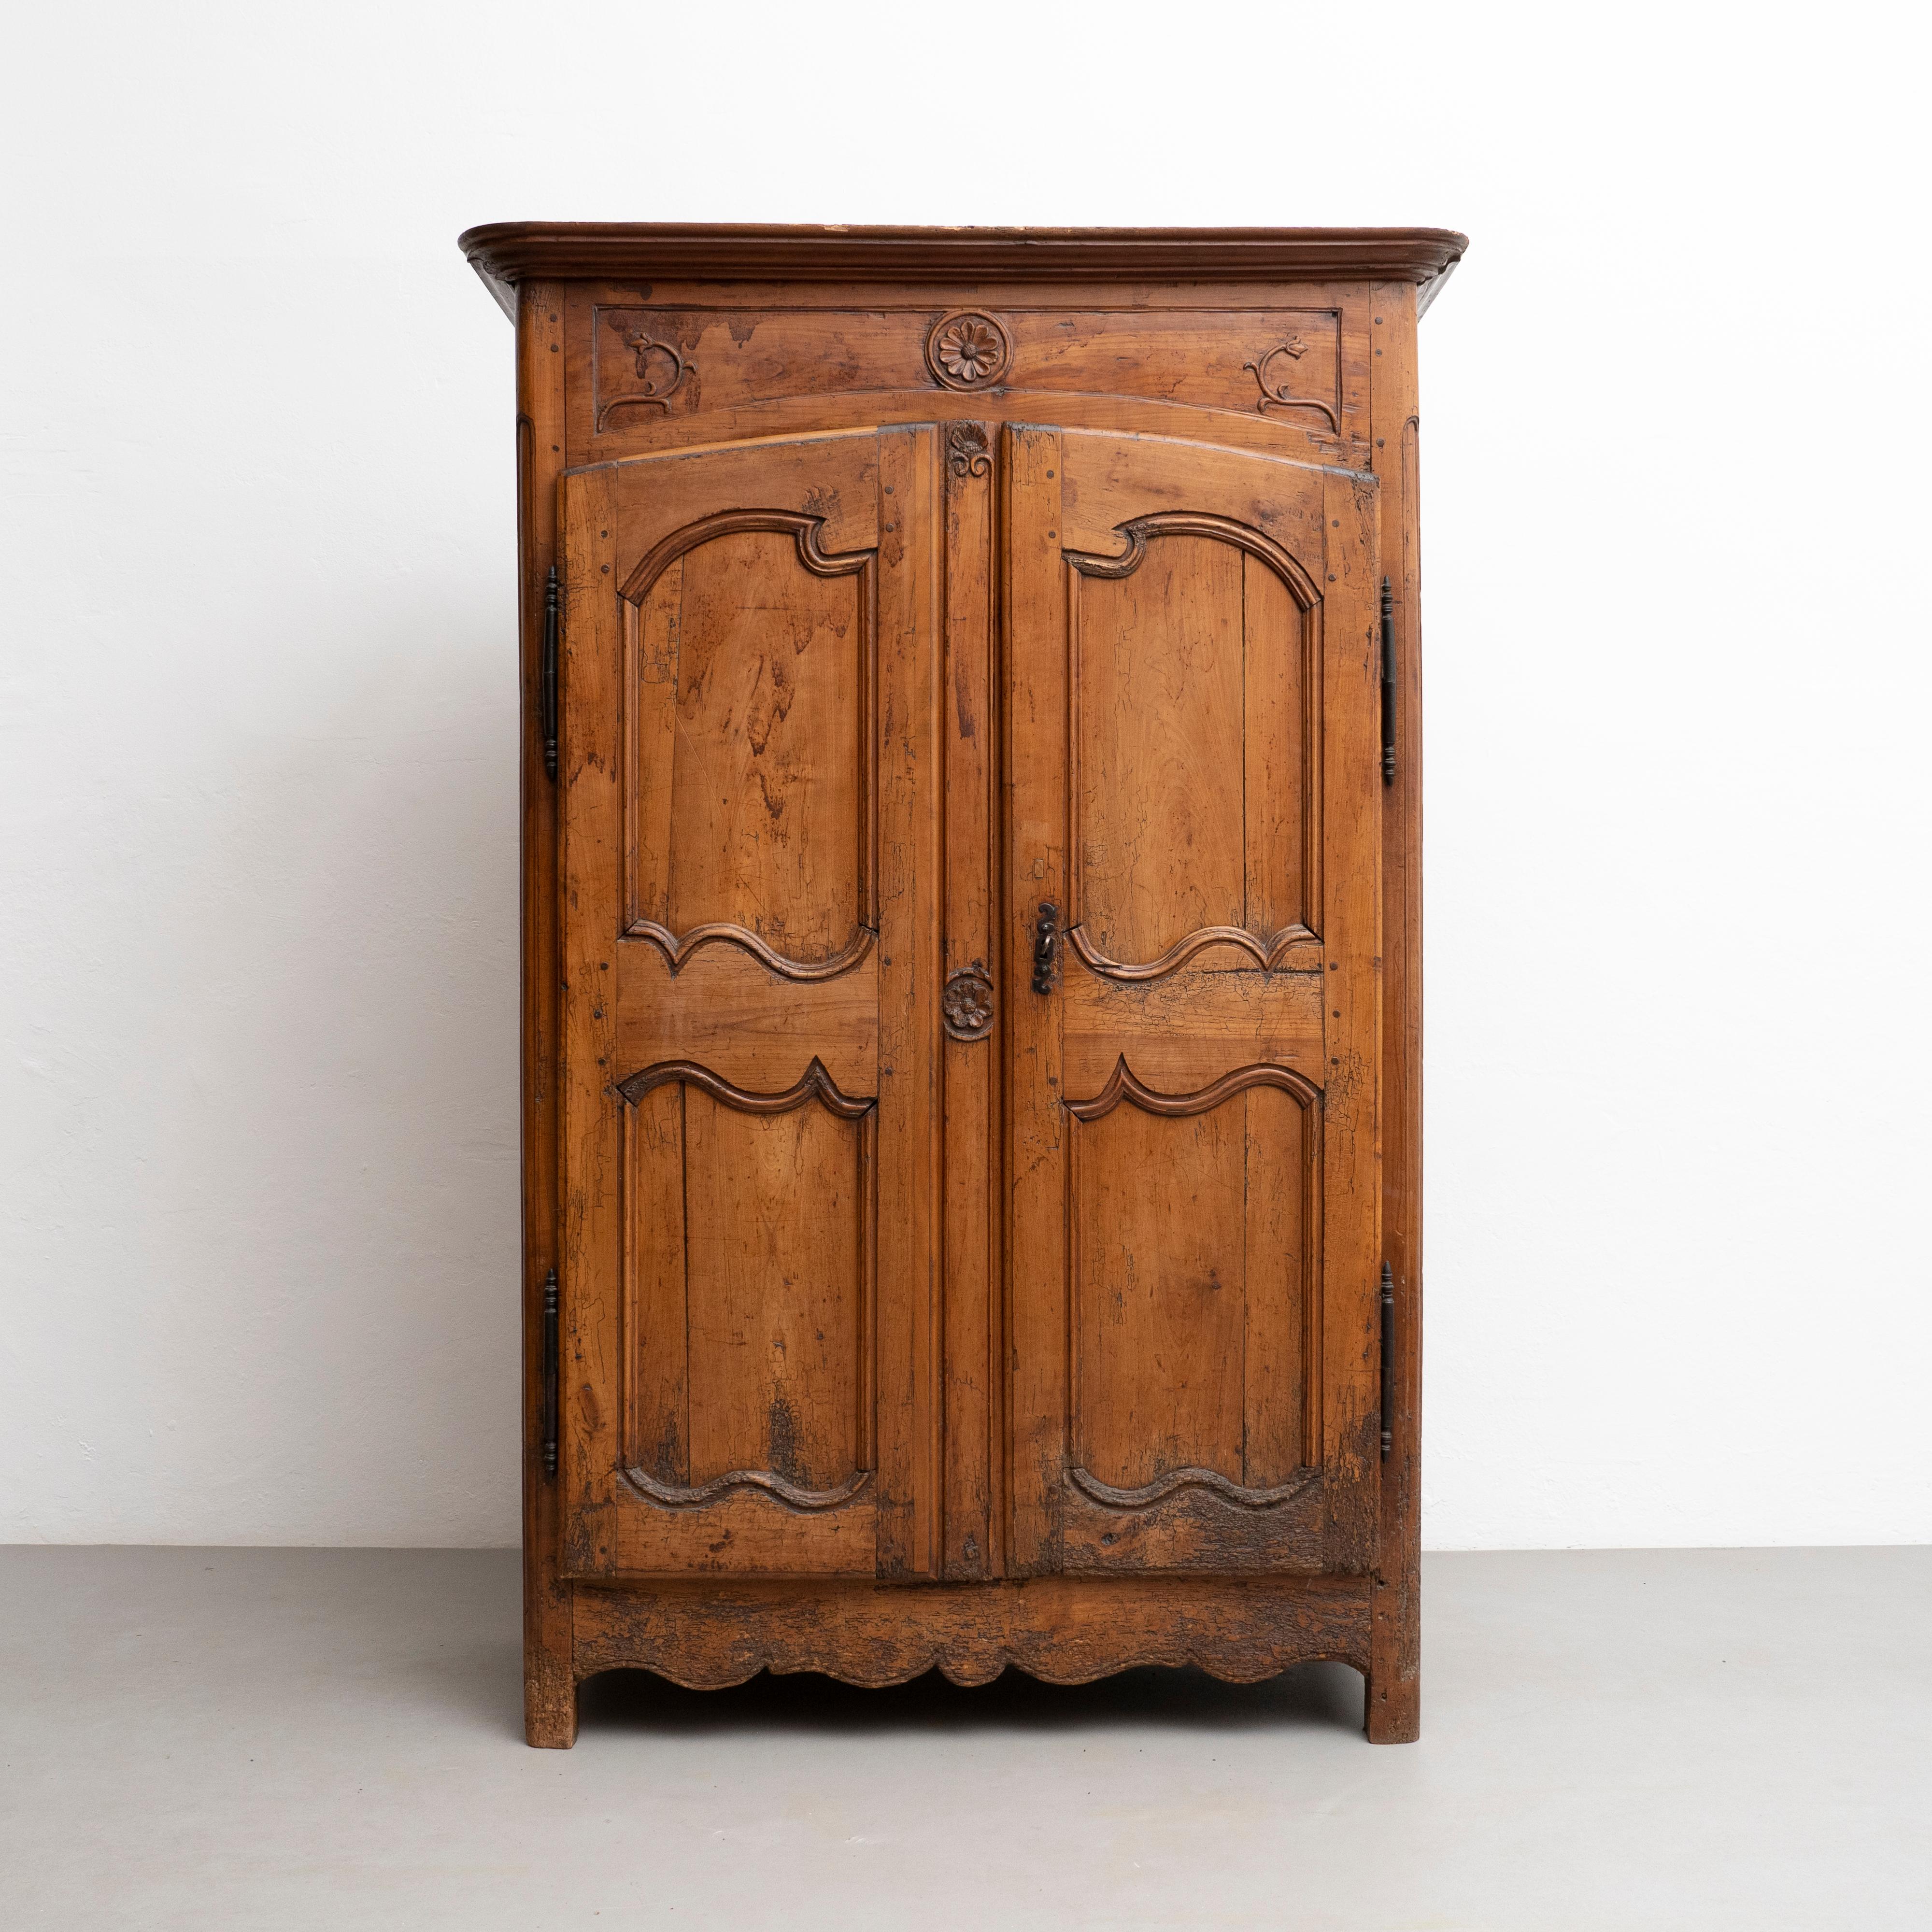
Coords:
pixel 971 1048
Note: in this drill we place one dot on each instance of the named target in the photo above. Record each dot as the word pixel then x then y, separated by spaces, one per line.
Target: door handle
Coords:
pixel 1045 947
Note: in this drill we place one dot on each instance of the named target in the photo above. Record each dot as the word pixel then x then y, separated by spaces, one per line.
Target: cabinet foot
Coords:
pixel 549 1707
pixel 1392 1709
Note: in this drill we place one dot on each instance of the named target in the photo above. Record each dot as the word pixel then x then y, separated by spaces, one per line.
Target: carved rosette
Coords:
pixel 968 1003
pixel 968 350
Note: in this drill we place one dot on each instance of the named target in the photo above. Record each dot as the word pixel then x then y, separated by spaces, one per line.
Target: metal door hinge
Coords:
pixel 1388 685
pixel 549 1374
pixel 547 692
pixel 1388 1353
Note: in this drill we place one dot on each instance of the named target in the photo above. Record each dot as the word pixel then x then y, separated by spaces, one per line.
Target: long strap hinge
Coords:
pixel 549 1374
pixel 1388 685
pixel 547 687
pixel 1388 1355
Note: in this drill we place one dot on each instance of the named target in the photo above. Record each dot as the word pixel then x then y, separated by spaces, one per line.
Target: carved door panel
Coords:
pixel 750 1018
pixel 1195 791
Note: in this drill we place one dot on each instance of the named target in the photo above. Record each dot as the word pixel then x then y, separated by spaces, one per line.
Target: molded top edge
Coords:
pixel 506 252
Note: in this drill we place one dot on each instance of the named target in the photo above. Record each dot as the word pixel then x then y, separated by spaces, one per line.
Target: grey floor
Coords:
pixel 269 1739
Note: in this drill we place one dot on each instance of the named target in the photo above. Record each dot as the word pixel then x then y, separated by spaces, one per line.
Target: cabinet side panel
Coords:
pixel 1394 1694
pixel 550 1695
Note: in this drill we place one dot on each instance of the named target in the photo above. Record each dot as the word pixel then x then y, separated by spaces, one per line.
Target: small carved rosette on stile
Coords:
pixel 968 1003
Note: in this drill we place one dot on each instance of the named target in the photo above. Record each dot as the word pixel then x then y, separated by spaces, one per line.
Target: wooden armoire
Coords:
pixel 971 1065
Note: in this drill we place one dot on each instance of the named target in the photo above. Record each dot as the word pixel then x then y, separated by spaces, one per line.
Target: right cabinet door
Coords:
pixel 1194 791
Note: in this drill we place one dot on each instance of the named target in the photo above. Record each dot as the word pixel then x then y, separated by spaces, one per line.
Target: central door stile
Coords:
pixel 975 1004
pixel 1034 1222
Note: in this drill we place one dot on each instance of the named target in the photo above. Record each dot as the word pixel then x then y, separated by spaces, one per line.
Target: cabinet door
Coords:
pixel 1192 759
pixel 751 970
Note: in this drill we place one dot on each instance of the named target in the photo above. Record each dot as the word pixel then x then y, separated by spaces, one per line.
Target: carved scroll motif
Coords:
pixel 1274 389
pixel 675 1495
pixel 1271 958
pixel 968 454
pixel 1162 1487
pixel 813 1083
pixel 677 948
pixel 1301 587
pixel 1123 1084
pixel 662 369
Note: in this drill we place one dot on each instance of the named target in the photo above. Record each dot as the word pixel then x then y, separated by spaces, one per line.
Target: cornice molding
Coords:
pixel 506 252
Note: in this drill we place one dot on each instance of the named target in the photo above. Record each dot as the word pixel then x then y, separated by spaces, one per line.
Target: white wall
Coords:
pixel 258 1177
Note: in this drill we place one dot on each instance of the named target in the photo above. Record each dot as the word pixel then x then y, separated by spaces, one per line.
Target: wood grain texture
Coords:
pixel 1158 779
pixel 1157 1290
pixel 910 969
pixel 590 1157
pixel 1034 576
pixel 749 679
pixel 775 1243
pixel 697 359
pixel 1195 738
pixel 549 1699
pixel 832 479
pixel 1351 938
pixel 746 1023
pixel 1063 1630
pixel 1193 1266
pixel 1394 1690
pixel 1183 1033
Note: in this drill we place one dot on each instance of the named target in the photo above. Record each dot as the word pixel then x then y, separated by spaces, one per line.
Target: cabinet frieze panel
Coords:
pixel 650 363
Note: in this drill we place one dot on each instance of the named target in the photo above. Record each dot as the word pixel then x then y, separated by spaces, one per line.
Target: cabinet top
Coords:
pixel 506 252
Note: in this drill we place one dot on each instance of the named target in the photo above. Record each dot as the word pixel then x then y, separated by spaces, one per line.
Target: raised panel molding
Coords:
pixel 1122 1085
pixel 813 1083
pixel 677 948
pixel 1193 523
pixel 806 530
pixel 1271 958
pixel 1090 1486
pixel 685 1221
pixel 1276 951
pixel 1214 1489
pixel 803 530
pixel 672 1496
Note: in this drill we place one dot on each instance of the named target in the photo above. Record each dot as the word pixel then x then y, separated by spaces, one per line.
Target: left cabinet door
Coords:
pixel 750 1123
